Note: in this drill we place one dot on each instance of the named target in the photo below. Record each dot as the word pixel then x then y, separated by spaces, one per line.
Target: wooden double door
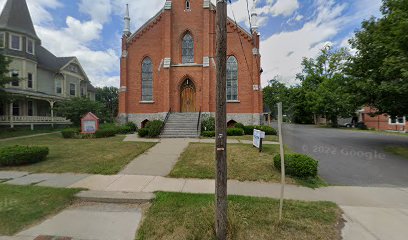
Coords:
pixel 188 96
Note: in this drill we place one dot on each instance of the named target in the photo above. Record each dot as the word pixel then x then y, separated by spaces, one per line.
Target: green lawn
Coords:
pixel 271 138
pixel 22 206
pixel 175 216
pixel 10 133
pixel 94 156
pixel 245 163
pixel 400 151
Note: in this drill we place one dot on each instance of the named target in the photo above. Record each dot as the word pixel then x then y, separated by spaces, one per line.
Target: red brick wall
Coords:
pixel 162 39
pixel 380 122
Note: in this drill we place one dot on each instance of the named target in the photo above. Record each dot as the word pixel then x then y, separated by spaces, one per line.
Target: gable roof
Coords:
pixel 16 17
pixel 49 61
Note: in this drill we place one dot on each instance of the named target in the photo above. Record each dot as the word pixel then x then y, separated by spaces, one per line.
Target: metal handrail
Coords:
pixel 165 121
pixel 199 119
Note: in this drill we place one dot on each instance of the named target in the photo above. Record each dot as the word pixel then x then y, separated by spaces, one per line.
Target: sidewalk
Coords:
pixel 371 212
pixel 27 136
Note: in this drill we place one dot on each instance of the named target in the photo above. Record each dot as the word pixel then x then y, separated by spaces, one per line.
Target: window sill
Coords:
pixel 146 102
pixel 233 101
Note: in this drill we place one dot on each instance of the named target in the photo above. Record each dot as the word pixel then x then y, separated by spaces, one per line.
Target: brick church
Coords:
pixel 168 65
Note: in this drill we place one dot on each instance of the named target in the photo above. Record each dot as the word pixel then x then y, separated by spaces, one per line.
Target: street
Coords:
pixel 351 158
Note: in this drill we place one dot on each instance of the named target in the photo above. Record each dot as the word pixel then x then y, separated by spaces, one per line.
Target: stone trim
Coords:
pixel 123 89
pixel 255 51
pixel 167 63
pixel 206 4
pixel 167 5
pixel 124 54
pixel 206 61
pixel 146 102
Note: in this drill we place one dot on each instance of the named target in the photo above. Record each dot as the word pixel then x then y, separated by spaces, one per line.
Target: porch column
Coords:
pixel 52 112
pixel 11 115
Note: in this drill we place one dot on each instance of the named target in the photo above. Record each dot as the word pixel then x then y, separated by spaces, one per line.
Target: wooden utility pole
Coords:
pixel 221 216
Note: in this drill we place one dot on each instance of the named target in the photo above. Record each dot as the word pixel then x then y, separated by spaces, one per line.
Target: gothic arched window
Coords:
pixel 188 5
pixel 147 80
pixel 232 79
pixel 188 49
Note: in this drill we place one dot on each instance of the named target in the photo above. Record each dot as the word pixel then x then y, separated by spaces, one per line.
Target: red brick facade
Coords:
pixel 160 39
pixel 382 122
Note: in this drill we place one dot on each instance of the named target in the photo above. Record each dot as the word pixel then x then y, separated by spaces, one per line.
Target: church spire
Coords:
pixel 254 18
pixel 126 30
pixel 16 17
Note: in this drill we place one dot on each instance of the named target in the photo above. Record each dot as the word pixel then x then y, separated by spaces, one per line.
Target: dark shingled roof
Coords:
pixel 16 17
pixel 91 88
pixel 49 61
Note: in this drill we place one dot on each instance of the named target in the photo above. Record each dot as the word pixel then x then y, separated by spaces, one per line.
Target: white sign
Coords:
pixel 258 135
pixel 89 127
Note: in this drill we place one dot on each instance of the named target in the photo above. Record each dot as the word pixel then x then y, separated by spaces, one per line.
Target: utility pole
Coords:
pixel 221 214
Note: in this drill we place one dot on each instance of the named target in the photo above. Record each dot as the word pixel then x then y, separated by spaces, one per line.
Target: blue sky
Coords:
pixel 290 30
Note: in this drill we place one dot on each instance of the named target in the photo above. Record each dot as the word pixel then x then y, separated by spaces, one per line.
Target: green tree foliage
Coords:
pixel 380 66
pixel 75 108
pixel 109 97
pixel 274 93
pixel 326 86
pixel 4 76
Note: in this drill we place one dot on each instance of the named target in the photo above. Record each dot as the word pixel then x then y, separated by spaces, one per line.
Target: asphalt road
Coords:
pixel 351 158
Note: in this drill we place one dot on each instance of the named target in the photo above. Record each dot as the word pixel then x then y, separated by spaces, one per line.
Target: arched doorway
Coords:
pixel 187 96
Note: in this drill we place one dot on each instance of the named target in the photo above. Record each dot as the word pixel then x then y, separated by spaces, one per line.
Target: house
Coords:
pixel 44 79
pixel 383 122
pixel 168 66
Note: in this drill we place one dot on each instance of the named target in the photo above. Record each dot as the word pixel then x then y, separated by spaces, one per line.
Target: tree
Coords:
pixel 326 86
pixel 4 78
pixel 274 93
pixel 380 66
pixel 75 108
pixel 109 97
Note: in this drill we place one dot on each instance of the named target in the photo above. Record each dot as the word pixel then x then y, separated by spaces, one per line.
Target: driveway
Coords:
pixel 351 158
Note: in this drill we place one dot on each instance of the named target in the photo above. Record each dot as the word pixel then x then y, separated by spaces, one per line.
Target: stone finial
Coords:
pixel 254 18
pixel 126 30
pixel 167 5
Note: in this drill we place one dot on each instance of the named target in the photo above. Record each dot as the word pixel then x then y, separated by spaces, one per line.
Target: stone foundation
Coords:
pixel 244 118
pixel 139 118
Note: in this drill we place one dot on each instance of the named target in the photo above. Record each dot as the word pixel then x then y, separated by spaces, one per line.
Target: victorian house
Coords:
pixel 168 67
pixel 43 78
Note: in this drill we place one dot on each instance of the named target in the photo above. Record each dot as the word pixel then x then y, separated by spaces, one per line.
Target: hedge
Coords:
pixel 235 132
pixel 239 125
pixel 208 134
pixel 298 165
pixel 153 129
pixel 20 155
pixel 208 124
pixel 143 132
pixel 106 132
pixel 249 130
pixel 70 132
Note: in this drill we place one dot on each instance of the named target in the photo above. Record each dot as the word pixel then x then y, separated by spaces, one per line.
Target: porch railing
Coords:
pixel 33 119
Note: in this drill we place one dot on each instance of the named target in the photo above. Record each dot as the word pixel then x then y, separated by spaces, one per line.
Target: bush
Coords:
pixel 105 133
pixel 298 165
pixel 154 128
pixel 208 134
pixel 70 132
pixel 132 126
pixel 20 155
pixel 235 132
pixel 143 132
pixel 249 130
pixel 208 124
pixel 268 130
pixel 239 125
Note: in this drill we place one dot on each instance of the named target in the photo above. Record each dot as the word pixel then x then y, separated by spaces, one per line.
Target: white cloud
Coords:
pixel 99 10
pixel 282 7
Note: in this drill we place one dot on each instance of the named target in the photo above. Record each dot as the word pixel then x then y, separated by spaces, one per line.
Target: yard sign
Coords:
pixel 258 136
pixel 89 124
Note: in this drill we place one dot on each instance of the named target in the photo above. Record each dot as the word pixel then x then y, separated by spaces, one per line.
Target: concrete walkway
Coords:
pixel 27 136
pixel 371 213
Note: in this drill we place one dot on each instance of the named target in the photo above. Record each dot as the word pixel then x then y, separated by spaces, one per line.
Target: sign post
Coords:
pixel 282 154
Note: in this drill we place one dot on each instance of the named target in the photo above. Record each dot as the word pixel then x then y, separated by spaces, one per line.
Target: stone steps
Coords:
pixel 181 125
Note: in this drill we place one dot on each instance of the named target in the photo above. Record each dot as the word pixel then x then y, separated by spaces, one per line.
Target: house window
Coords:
pixel 30 46
pixel 1 109
pixel 188 5
pixel 232 79
pixel 15 82
pixel 188 49
pixel 72 90
pixel 147 80
pixel 2 40
pixel 16 109
pixel 30 108
pixel 397 120
pixel 15 42
pixel 30 80
pixel 58 86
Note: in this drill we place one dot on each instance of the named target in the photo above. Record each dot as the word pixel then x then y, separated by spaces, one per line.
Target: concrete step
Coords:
pixel 115 197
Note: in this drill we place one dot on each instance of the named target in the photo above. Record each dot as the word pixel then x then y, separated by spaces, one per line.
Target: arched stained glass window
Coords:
pixel 188 49
pixel 232 79
pixel 147 80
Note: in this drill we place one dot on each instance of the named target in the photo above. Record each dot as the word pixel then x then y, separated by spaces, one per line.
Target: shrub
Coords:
pixel 208 134
pixel 143 132
pixel 106 132
pixel 239 125
pixel 298 165
pixel 70 132
pixel 235 132
pixel 268 130
pixel 249 130
pixel 154 128
pixel 132 126
pixel 20 155
pixel 208 124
